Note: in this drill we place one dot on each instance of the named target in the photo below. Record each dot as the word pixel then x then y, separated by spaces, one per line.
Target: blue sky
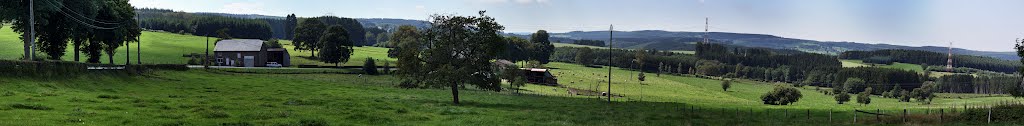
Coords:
pixel 990 25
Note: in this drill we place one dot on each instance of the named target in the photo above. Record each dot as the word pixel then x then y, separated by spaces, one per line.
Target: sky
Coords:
pixel 988 25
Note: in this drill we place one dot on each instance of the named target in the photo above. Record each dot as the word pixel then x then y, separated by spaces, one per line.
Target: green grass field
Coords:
pixel 168 48
pixel 896 65
pixel 297 96
pixel 853 63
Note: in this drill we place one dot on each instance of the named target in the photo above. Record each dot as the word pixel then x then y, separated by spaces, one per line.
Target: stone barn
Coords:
pixel 249 53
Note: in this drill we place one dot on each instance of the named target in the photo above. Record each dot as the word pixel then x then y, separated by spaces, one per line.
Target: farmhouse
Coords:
pixel 540 76
pixel 249 53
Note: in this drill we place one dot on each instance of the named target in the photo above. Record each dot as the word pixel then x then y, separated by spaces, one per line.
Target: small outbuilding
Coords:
pixel 540 76
pixel 249 53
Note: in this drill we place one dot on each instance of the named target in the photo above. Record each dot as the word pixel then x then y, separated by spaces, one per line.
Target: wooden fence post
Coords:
pixel 990 115
pixel 854 115
pixel 808 114
pixel 941 115
pixel 829 116
pixel 878 112
pixel 904 115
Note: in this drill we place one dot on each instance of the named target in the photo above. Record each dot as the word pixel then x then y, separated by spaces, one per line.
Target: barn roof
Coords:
pixel 239 45
pixel 536 70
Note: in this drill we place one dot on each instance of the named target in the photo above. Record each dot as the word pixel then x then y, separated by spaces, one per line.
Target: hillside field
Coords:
pixel 223 97
pixel 169 48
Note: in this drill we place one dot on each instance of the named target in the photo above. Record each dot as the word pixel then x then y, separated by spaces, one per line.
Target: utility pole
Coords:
pixel 206 57
pixel 31 51
pixel 138 47
pixel 610 32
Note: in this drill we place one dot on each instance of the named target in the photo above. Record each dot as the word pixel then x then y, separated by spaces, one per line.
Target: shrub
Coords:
pixel 864 97
pixel 781 96
pixel 370 67
pixel 842 97
pixel 726 84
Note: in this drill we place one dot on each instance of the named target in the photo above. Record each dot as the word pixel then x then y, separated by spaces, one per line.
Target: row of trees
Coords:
pixel 93 27
pixel 926 57
pixel 598 43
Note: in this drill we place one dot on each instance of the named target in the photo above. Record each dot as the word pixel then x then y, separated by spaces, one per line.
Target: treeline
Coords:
pixel 203 25
pixel 598 43
pixel 878 79
pixel 982 84
pixel 925 57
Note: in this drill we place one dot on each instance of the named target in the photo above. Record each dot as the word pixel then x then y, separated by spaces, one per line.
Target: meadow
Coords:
pixel 339 97
pixel 170 48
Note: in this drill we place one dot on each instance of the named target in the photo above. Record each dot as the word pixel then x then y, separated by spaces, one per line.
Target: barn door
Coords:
pixel 250 61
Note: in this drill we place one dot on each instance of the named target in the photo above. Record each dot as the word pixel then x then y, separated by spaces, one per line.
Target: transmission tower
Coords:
pixel 949 58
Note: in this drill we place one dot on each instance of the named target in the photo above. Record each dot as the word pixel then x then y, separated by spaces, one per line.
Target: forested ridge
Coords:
pixel 925 57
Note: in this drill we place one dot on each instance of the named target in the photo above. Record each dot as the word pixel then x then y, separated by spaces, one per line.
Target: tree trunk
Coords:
pixel 110 58
pixel 77 44
pixel 455 93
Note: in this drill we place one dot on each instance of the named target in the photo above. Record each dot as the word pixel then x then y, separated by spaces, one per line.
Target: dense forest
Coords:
pixel 926 57
pixel 203 25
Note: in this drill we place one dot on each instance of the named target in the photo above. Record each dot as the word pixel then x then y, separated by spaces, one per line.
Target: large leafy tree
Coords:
pixel 17 13
pixel 408 47
pixel 405 34
pixel 335 47
pixel 128 31
pixel 80 34
pixel 458 52
pixel 543 48
pixel 1019 91
pixel 308 34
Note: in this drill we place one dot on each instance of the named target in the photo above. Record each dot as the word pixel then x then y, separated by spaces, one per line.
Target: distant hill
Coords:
pixel 383 23
pixel 672 40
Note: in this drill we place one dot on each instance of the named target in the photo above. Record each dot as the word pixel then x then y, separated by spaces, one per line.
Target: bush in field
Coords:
pixel 864 97
pixel 370 67
pixel 842 97
pixel 781 96
pixel 726 84
pixel 905 96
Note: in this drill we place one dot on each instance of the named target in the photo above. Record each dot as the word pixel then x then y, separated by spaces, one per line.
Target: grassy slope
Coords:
pixel 707 92
pixel 168 48
pixel 853 63
pixel 895 65
pixel 905 66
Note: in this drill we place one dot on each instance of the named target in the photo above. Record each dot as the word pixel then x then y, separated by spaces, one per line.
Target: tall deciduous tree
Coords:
pixel 335 47
pixel 308 34
pixel 459 51
pixel 128 31
pixel 408 46
pixel 543 47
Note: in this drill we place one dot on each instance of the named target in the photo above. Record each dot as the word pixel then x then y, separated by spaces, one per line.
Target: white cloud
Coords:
pixel 244 8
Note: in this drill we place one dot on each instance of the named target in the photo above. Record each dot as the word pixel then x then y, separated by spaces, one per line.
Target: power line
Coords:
pixel 52 3
pixel 83 22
